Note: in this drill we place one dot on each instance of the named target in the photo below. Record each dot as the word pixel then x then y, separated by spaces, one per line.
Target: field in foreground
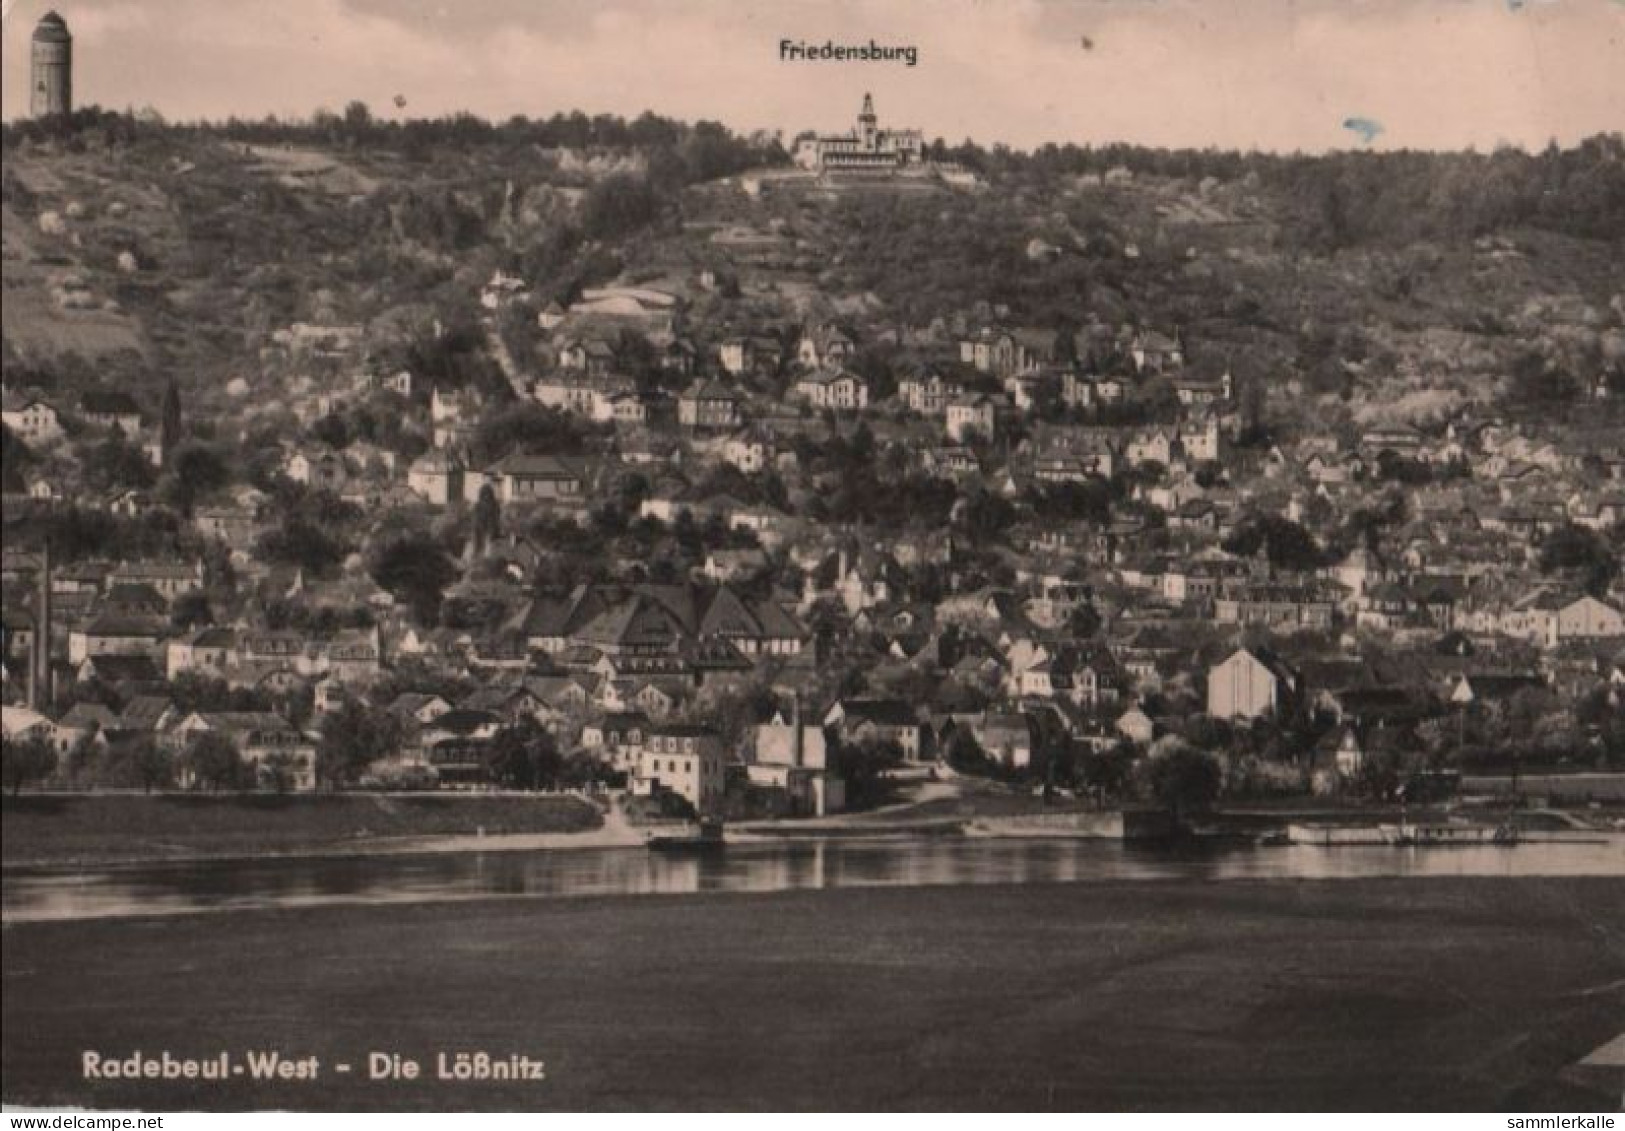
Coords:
pixel 1381 995
pixel 122 828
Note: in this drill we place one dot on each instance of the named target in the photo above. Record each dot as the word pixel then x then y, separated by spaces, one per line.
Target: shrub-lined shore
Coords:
pixel 65 829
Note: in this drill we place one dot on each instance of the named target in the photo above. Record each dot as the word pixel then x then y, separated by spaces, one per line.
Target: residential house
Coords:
pixel 266 741
pixel 977 414
pixel 32 421
pixel 839 390
pixel 1006 737
pixel 825 346
pixel 928 393
pixel 210 651
pixel 115 634
pixel 172 579
pixel 1280 606
pixel 618 737
pixel 793 756
pixel 746 355
pixel 709 406
pixel 1003 352
pixel 684 759
pixel 1492 688
pixel 1155 352
pixel 750 450
pixel 230 523
pixel 1203 392
pixel 592 356
pixel 1136 726
pixel 112 409
pixel 882 720
pixel 455 745
pixel 521 478
pixel 437 477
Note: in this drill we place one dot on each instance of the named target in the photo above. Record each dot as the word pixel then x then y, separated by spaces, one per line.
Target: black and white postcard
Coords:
pixel 910 555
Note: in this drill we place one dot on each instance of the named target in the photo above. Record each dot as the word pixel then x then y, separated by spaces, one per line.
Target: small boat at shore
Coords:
pixel 702 836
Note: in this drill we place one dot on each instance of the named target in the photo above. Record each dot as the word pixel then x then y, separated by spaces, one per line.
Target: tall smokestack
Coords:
pixel 40 690
pixel 795 722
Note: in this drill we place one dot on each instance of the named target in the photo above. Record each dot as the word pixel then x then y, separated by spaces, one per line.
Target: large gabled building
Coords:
pixel 660 620
pixel 1251 684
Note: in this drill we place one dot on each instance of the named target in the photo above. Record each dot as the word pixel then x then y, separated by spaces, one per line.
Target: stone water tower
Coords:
pixel 52 71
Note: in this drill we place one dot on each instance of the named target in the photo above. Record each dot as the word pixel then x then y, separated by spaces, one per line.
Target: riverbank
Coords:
pixel 1413 994
pixel 54 832
pixel 83 830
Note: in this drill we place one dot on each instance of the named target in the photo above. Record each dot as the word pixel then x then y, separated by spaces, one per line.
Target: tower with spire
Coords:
pixel 867 122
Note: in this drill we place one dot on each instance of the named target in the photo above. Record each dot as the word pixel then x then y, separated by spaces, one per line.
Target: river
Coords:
pixel 193 887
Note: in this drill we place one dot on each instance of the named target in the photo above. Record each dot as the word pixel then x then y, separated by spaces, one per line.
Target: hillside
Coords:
pixel 425 404
pixel 182 253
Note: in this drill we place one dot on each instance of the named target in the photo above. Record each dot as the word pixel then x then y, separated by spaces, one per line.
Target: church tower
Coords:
pixel 51 77
pixel 866 123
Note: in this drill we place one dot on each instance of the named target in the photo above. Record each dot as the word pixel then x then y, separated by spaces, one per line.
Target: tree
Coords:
pixel 15 459
pixel 965 754
pixel 280 769
pixel 617 206
pixel 487 519
pixel 214 762
pixel 304 543
pixel 153 765
pixel 357 121
pixel 1083 621
pixel 864 767
pixel 195 472
pixel 1181 778
pixel 25 761
pixel 1583 552
pixel 1287 545
pixel 1378 777
pixel 526 427
pixel 1538 383
pixel 735 712
pixel 191 610
pixel 416 570
pixel 1524 713
pixel 352 739
pixel 985 516
pixel 116 463
pixel 1106 773
pixel 524 755
pixel 170 420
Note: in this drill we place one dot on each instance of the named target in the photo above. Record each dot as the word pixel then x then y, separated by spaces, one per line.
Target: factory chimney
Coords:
pixel 795 722
pixel 39 667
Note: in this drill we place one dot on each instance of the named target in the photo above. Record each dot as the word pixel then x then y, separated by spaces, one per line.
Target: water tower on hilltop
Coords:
pixel 52 71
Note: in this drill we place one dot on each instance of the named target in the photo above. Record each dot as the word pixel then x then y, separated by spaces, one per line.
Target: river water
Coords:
pixel 173 889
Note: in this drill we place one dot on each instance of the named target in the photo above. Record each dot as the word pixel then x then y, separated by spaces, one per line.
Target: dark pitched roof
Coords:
pixel 109 404
pixel 881 712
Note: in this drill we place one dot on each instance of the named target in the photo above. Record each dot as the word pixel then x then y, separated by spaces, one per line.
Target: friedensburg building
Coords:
pixel 865 148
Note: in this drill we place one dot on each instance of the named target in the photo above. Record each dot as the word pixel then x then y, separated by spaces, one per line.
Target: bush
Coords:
pixel 25 761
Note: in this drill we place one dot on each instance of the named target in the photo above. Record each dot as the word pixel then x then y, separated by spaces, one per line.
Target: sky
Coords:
pixel 1282 75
